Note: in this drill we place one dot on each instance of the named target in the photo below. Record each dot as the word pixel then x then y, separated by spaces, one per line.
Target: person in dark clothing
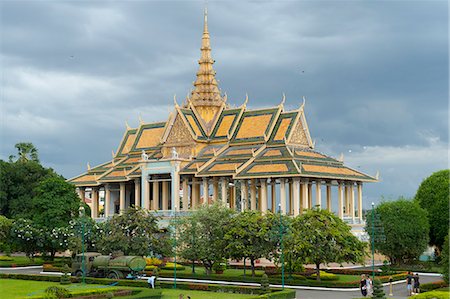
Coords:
pixel 416 283
pixel 409 283
pixel 363 285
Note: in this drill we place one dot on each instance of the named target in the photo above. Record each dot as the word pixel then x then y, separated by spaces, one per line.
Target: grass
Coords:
pixel 15 289
pixel 22 261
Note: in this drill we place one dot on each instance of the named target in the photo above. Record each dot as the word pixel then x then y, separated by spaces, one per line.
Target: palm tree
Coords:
pixel 26 152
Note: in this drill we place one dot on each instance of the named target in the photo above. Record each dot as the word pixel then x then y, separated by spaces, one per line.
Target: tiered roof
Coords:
pixel 213 139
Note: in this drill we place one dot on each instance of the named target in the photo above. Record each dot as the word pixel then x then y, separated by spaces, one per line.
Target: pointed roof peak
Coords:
pixel 206 91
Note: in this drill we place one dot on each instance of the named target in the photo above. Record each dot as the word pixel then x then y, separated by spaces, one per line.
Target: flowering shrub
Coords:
pixel 153 261
pixel 28 238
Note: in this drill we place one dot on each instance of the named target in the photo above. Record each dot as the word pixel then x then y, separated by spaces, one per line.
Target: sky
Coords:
pixel 374 74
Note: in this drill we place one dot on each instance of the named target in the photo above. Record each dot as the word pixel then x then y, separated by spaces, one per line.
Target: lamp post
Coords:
pixel 83 262
pixel 281 247
pixel 175 248
pixel 373 242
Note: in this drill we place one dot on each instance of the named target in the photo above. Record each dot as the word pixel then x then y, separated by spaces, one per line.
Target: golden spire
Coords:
pixel 206 91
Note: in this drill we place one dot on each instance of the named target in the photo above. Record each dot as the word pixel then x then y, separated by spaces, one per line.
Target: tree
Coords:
pixel 5 234
pixel 55 240
pixel 248 236
pixel 212 223
pixel 26 152
pixel 433 196
pixel 320 237
pixel 17 183
pixel 55 203
pixel 93 233
pixel 378 292
pixel 405 227
pixel 188 236
pixel 27 237
pixel 445 259
pixel 135 232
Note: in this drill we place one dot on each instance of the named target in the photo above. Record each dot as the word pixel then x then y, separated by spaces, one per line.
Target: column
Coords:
pixel 122 198
pixel 310 205
pixel 165 196
pixel 205 191
pixel 224 190
pixel 81 194
pixel 253 194
pixel 340 203
pixel 155 196
pixel 329 196
pixel 346 200
pixel 146 195
pixel 185 194
pixel 360 202
pixel 318 194
pixel 263 206
pixel 215 189
pixel 283 196
pixel 94 207
pixel 176 191
pixel 352 202
pixel 296 197
pixel 305 193
pixel 107 205
pixel 195 193
pixel 273 195
pixel 244 195
pixel 291 197
pixel 137 193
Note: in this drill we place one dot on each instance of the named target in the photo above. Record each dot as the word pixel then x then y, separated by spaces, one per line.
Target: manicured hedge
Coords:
pixel 90 293
pixel 426 287
pixel 433 295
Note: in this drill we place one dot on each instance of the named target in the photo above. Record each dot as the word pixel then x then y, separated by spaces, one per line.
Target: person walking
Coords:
pixel 416 284
pixel 363 285
pixel 151 282
pixel 369 284
pixel 409 283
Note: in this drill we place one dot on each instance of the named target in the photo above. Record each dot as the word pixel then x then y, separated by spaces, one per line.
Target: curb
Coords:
pixel 20 268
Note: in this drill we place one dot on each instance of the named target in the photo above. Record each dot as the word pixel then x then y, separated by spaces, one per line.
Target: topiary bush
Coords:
pixel 265 283
pixel 325 276
pixel 378 292
pixel 56 292
pixel 171 266
pixel 65 278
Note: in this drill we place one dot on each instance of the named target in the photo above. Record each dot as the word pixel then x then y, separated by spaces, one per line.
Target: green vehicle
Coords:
pixel 97 265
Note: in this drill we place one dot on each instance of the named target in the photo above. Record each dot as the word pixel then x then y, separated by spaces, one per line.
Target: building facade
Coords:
pixel 207 151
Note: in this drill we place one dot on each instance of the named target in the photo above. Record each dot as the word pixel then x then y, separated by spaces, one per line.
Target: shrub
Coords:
pixel 378 292
pixel 325 276
pixel 219 266
pixel 65 278
pixel 57 292
pixel 6 258
pixel 426 287
pixel 150 268
pixel 433 295
pixel 171 266
pixel 153 261
pixel 265 283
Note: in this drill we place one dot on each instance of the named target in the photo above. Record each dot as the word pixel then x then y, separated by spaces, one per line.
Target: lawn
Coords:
pixel 21 261
pixel 15 288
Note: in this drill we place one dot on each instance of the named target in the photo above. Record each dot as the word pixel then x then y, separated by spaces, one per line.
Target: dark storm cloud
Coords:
pixel 374 74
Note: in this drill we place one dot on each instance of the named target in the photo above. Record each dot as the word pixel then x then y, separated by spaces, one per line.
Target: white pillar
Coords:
pixel 244 195
pixel 305 193
pixel 253 195
pixel 329 196
pixel 176 192
pixel 81 193
pixel 205 191
pixel 273 195
pixel 185 194
pixel 263 200
pixel 346 199
pixel 340 203
pixel 146 195
pixel 283 196
pixel 137 193
pixel 122 198
pixel 296 200
pixel 94 208
pixel 360 202
pixel 310 205
pixel 318 194
pixel 165 196
pixel 155 196
pixel 215 189
pixel 224 190
pixel 352 202
pixel 107 205
pixel 195 193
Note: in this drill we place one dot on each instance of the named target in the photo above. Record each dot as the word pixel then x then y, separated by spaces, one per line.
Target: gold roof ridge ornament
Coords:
pixel 88 166
pixel 127 125
pixel 377 175
pixel 140 119
pixel 283 100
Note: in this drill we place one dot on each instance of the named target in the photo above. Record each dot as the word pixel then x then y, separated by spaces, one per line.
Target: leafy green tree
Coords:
pixel 405 228
pixel 249 236
pixel 320 237
pixel 55 240
pixel 445 259
pixel 135 232
pixel 433 196
pixel 5 234
pixel 27 237
pixel 55 203
pixel 212 223
pixel 17 183
pixel 26 152
pixel 188 236
pixel 93 233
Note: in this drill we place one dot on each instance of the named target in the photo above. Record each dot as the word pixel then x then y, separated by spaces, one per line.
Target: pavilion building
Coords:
pixel 207 151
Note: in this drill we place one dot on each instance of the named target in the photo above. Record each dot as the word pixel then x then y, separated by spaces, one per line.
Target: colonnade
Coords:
pixel 289 195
